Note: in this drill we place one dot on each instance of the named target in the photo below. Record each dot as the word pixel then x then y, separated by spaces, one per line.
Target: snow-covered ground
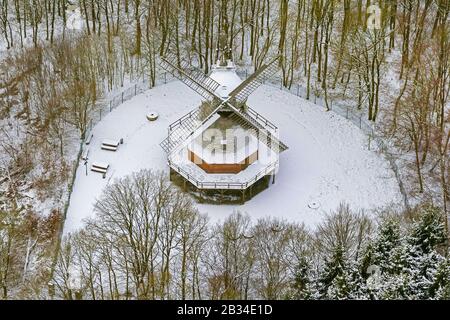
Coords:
pixel 328 160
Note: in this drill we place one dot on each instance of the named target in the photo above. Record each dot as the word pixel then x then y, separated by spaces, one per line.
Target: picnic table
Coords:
pixel 111 145
pixel 100 167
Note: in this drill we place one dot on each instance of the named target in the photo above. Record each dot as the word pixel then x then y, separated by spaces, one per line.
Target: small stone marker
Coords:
pixel 152 116
pixel 314 205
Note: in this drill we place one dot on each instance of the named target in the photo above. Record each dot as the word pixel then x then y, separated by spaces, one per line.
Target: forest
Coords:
pixel 387 59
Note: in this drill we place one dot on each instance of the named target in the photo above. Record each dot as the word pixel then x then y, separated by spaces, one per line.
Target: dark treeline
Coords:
pixel 149 242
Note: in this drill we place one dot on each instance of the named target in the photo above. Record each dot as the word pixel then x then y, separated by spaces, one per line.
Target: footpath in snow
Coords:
pixel 328 161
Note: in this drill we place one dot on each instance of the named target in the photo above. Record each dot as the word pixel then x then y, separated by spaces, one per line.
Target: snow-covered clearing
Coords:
pixel 328 161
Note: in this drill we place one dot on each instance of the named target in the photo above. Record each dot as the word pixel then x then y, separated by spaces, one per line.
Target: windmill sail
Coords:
pixel 246 88
pixel 207 88
pixel 270 139
pixel 193 78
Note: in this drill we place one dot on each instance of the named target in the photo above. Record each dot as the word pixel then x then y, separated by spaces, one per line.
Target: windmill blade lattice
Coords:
pixel 246 88
pixel 181 129
pixel 206 87
pixel 248 122
pixel 192 77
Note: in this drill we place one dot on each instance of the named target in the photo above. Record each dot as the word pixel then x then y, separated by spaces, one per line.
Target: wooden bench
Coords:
pixel 111 145
pixel 109 148
pixel 89 139
pixel 100 167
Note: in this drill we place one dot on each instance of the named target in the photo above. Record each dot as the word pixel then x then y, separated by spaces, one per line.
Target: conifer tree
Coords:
pixel 335 279
pixel 302 280
pixel 429 231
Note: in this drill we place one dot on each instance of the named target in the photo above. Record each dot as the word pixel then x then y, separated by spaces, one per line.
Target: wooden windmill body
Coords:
pixel 223 144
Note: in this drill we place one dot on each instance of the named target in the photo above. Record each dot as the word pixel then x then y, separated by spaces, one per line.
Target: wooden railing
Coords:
pixel 177 123
pixel 224 185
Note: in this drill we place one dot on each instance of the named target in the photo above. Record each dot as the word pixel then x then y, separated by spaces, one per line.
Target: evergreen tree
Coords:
pixel 440 287
pixel 429 231
pixel 386 249
pixel 426 265
pixel 302 280
pixel 413 268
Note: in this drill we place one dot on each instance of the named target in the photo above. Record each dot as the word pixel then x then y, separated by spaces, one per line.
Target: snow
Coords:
pixel 102 165
pixel 207 145
pixel 328 160
pixel 112 143
pixel 266 156
pixel 227 78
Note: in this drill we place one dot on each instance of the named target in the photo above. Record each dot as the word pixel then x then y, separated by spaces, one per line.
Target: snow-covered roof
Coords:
pixel 267 158
pixel 227 77
pixel 224 147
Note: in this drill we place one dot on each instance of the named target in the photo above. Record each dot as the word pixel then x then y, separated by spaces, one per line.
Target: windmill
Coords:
pixel 223 93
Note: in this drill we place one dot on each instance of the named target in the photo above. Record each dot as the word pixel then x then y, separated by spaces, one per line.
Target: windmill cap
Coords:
pixel 227 78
